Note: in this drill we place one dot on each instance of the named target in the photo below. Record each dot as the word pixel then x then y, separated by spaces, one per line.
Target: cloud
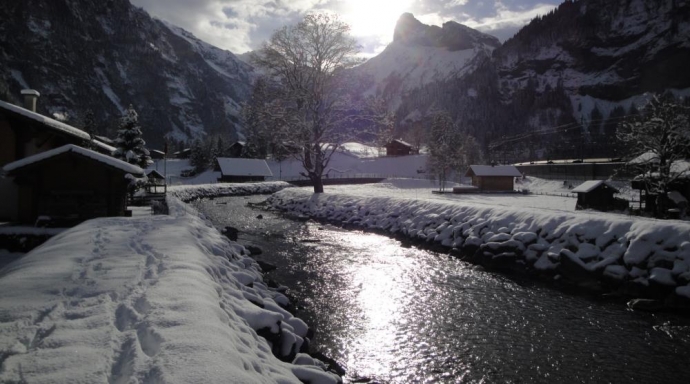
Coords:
pixel 236 25
pixel 243 25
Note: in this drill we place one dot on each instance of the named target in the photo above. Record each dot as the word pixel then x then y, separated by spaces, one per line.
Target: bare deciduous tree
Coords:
pixel 661 134
pixel 309 59
pixel 450 150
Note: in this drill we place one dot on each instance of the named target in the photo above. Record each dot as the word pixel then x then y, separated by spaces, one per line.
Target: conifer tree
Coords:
pixel 130 147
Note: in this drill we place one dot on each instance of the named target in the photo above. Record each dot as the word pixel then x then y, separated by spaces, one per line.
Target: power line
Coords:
pixel 548 131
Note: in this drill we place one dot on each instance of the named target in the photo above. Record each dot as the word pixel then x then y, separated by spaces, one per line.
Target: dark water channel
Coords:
pixel 403 315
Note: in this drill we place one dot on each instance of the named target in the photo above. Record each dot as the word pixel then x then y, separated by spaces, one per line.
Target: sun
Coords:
pixel 374 17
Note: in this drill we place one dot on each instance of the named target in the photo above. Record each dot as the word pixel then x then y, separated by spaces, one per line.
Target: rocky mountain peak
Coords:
pixel 452 36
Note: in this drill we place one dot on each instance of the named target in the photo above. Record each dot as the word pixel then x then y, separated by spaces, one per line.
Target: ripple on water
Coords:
pixel 403 315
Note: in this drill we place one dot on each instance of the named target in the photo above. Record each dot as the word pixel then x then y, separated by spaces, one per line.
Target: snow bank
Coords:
pixel 150 299
pixel 640 257
pixel 192 192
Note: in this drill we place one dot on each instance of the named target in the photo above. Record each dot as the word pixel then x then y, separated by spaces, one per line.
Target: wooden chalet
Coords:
pixel 70 184
pixel 236 170
pixel 156 183
pixel 236 149
pixel 398 148
pixel 183 154
pixel 24 133
pixel 598 194
pixel 493 178
pixel 156 154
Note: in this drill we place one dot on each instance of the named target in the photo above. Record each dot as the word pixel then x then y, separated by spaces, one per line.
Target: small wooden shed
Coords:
pixel 236 170
pixel 493 178
pixel 183 154
pixel 71 184
pixel 398 148
pixel 598 194
pixel 156 154
pixel 236 149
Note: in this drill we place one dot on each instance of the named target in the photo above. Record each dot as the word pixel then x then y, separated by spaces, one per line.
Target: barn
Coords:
pixel 71 184
pixel 236 149
pixel 237 170
pixel 493 178
pixel 398 148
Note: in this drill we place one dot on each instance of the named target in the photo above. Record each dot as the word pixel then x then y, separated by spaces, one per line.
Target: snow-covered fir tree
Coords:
pixel 130 146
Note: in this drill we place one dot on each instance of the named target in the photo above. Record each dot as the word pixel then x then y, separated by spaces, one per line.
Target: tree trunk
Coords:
pixel 318 183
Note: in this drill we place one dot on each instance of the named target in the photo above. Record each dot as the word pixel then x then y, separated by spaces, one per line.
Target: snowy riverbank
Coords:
pixel 637 257
pixel 147 299
pixel 192 192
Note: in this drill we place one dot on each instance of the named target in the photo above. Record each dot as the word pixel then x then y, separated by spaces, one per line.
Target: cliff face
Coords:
pixel 421 54
pixel 588 62
pixel 609 50
pixel 105 55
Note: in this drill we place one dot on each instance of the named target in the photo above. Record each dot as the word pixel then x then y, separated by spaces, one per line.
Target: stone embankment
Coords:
pixel 633 257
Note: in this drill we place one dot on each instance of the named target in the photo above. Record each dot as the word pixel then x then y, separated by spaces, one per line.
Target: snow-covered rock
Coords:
pixel 548 242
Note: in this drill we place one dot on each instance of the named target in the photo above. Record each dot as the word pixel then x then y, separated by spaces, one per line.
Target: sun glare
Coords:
pixel 374 17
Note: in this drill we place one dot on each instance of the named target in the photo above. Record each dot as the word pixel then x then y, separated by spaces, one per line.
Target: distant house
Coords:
pixel 70 184
pixel 236 170
pixel 156 154
pixel 24 133
pixel 156 183
pixel 598 194
pixel 183 154
pixel 647 182
pixel 398 148
pixel 494 178
pixel 236 149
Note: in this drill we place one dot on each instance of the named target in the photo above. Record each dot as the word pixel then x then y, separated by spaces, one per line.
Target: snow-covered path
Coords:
pixel 151 299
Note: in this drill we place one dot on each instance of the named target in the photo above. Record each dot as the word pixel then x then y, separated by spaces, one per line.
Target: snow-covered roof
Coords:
pixel 230 166
pixel 104 146
pixel 105 159
pixel 153 174
pixel 591 185
pixel 47 121
pixel 242 143
pixel 496 170
pixel 399 141
pixel 647 157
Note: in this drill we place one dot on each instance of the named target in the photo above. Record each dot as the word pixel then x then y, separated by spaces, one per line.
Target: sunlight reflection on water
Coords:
pixel 403 315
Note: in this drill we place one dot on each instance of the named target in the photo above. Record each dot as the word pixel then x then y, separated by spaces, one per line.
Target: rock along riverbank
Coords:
pixel 634 257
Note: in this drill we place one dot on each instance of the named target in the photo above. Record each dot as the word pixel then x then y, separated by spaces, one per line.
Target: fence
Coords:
pixel 581 171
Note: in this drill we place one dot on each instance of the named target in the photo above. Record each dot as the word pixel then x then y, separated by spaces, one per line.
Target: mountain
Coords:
pixel 421 54
pixel 588 62
pixel 105 55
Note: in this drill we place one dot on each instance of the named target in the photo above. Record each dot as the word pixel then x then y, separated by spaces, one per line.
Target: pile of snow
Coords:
pixel 642 256
pixel 361 151
pixel 150 299
pixel 174 168
pixel 193 192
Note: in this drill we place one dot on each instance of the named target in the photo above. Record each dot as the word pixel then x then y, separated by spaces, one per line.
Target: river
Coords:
pixel 397 314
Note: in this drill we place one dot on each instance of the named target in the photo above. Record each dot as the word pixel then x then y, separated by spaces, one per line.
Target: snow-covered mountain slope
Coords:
pixel 83 55
pixel 588 62
pixel 602 50
pixel 421 54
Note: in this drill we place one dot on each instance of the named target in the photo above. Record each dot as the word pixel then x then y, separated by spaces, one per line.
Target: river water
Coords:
pixel 397 314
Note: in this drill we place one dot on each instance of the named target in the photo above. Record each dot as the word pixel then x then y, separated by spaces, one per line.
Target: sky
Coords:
pixel 243 25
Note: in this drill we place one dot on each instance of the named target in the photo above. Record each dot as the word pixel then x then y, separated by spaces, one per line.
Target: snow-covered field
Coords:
pixel 146 299
pixel 516 231
pixel 354 159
